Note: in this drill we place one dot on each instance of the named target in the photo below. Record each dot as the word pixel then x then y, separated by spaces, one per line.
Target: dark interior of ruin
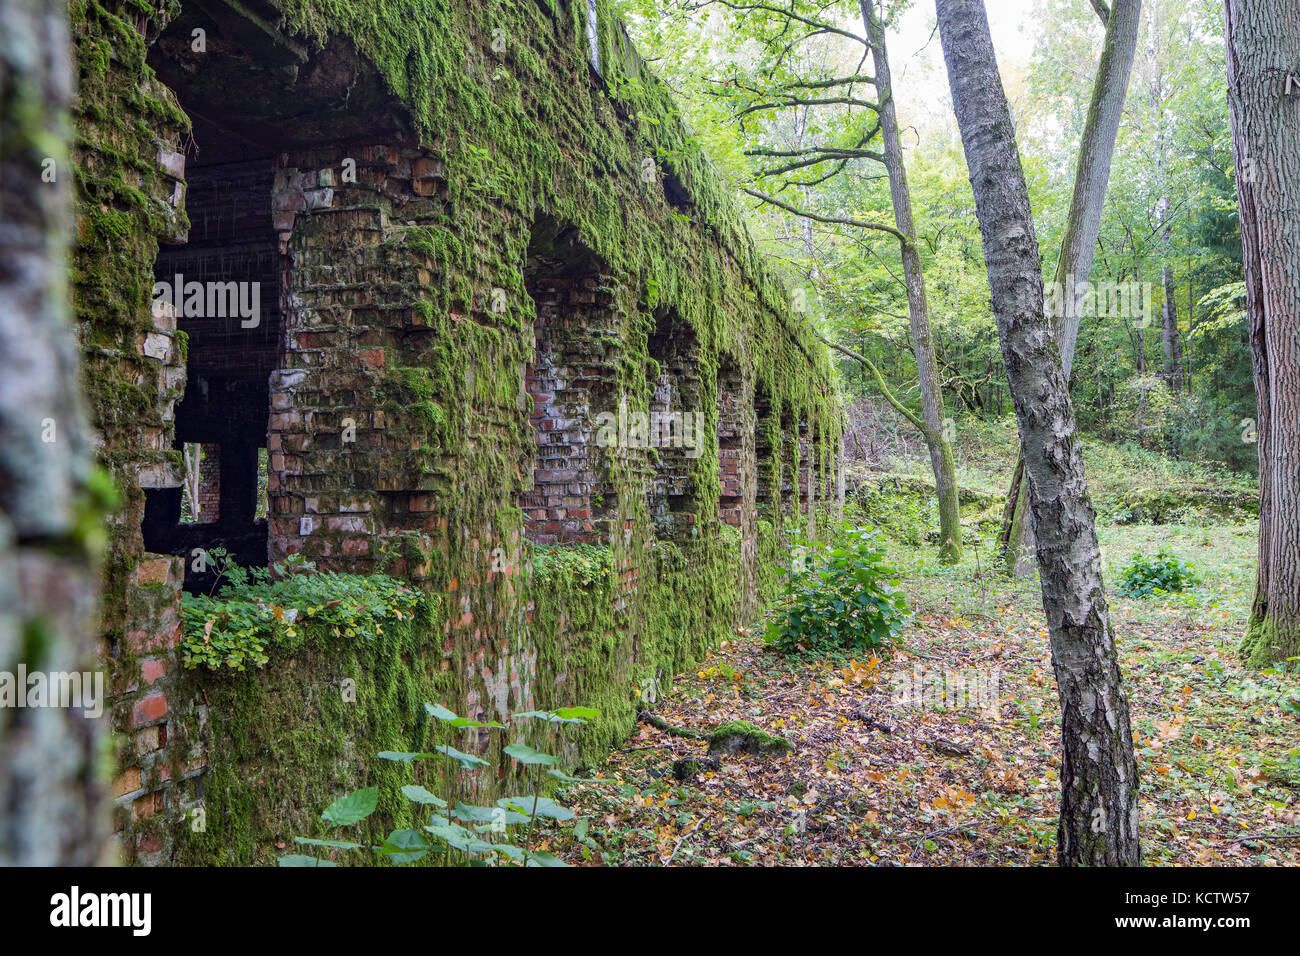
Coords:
pixel 225 406
pixel 571 381
pixel 250 94
pixel 671 495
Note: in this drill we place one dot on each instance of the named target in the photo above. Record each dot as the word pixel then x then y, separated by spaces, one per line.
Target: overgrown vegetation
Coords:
pixel 1156 577
pixel 256 608
pixel 838 597
pixel 456 831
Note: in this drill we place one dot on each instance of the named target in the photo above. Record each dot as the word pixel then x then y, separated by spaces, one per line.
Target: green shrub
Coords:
pixel 841 598
pixel 1163 574
pixel 588 564
pixel 234 628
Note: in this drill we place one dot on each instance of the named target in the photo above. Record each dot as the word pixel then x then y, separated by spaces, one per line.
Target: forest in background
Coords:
pixel 1180 388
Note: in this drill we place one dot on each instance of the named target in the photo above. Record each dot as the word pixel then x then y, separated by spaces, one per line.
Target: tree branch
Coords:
pixel 795 101
pixel 880 382
pixel 827 84
pixel 789 14
pixel 832 220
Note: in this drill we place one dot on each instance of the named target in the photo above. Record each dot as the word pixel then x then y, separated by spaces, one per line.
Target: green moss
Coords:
pixel 521 132
pixel 740 735
pixel 1267 642
pixel 308 727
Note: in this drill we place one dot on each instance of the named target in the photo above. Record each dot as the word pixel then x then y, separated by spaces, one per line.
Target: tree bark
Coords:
pixel 1099 786
pixel 934 430
pixel 1171 372
pixel 1091 177
pixel 1170 340
pixel 53 804
pixel 1263 53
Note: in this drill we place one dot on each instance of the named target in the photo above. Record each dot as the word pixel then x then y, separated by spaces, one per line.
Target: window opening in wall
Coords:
pixel 789 458
pixel 765 457
pixel 201 497
pixel 674 424
pixel 263 482
pixel 572 383
pixel 731 441
pixel 805 466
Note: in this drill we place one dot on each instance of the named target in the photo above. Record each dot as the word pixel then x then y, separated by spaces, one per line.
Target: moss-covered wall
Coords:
pixel 400 434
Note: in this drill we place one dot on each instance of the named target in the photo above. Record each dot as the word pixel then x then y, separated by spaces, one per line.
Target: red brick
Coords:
pixel 149 739
pixel 152 668
pixel 145 807
pixel 148 709
pixel 127 781
pixel 152 571
pixel 148 843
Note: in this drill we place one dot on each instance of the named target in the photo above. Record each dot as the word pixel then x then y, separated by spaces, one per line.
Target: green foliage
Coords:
pixel 842 598
pixel 252 611
pixel 1163 574
pixel 585 564
pixel 898 512
pixel 464 832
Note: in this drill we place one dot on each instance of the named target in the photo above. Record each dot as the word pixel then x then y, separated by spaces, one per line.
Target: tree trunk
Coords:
pixel 1263 52
pixel 1099 786
pixel 935 433
pixel 192 455
pixel 53 803
pixel 1169 339
pixel 1092 174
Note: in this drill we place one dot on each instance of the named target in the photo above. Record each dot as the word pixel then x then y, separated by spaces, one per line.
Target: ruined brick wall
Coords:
pixel 482 278
pixel 209 485
pixel 570 377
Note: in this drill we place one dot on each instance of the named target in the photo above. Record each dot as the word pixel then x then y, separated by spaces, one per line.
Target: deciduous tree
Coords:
pixel 1099 787
pixel 1263 45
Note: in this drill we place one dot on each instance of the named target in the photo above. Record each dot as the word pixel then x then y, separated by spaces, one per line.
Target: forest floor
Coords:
pixel 880 779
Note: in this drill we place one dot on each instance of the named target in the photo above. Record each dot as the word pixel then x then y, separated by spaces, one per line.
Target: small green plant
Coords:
pixel 1163 574
pixel 234 628
pixel 586 564
pixel 463 833
pixel 841 598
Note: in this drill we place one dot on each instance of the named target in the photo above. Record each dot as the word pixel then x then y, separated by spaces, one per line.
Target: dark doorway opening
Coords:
pixel 571 381
pixel 675 423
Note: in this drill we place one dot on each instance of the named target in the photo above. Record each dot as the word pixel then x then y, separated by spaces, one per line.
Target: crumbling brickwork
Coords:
pixel 570 381
pixel 478 284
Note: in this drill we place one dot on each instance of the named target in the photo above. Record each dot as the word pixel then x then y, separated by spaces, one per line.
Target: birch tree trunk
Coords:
pixel 1092 174
pixel 935 433
pixel 1099 787
pixel 1263 52
pixel 53 804
pixel 1169 343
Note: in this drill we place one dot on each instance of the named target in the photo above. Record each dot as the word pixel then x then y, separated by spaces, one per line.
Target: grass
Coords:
pixel 985 452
